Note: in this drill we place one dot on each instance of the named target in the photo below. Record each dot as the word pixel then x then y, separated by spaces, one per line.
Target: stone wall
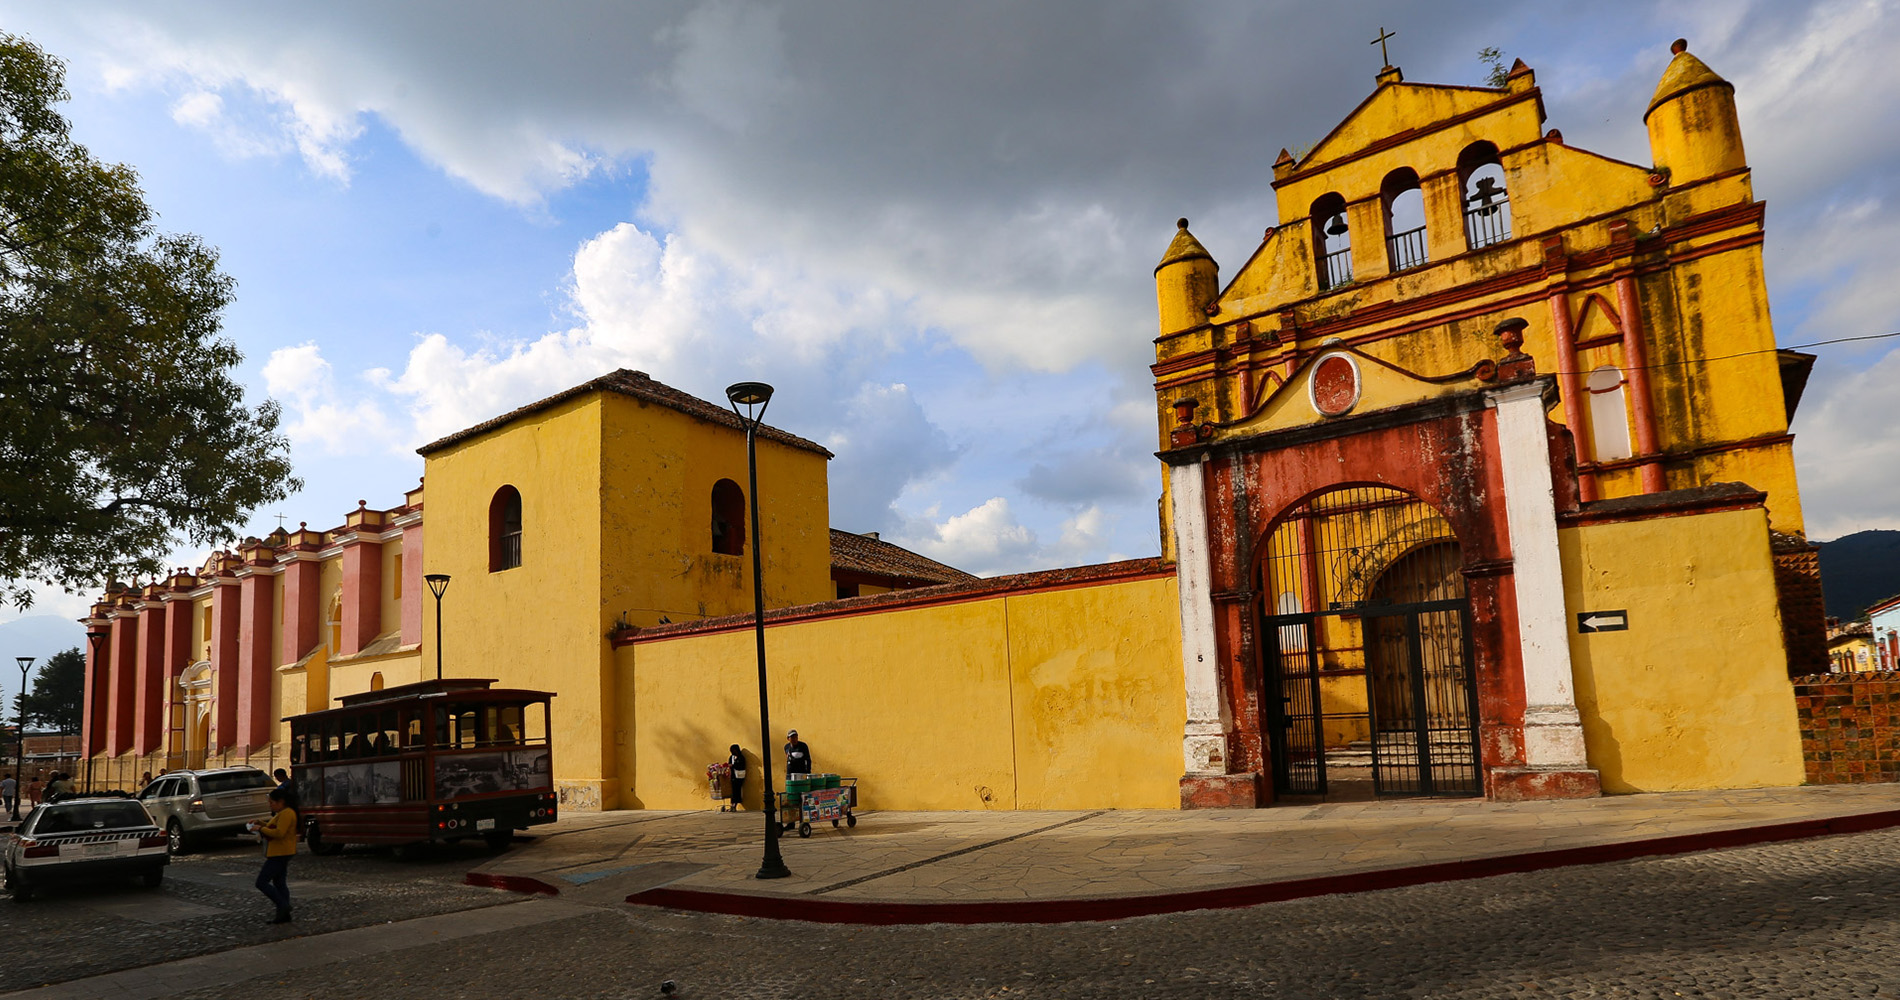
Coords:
pixel 1849 727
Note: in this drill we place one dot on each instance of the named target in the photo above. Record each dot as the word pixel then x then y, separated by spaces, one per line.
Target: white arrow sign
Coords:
pixel 1603 621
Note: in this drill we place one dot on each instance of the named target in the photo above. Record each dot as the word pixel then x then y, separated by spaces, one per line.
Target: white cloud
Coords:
pixel 318 414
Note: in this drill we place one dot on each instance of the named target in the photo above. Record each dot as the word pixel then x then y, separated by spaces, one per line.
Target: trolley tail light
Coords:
pixel 34 849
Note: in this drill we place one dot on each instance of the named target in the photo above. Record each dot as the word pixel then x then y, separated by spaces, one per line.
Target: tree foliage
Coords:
pixel 58 688
pixel 122 431
pixel 1496 74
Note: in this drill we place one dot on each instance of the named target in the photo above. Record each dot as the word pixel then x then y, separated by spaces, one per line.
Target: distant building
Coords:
pixel 1883 621
pixel 1850 648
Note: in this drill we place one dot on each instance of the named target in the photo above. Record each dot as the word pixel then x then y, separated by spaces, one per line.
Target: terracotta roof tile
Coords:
pixel 638 385
pixel 875 557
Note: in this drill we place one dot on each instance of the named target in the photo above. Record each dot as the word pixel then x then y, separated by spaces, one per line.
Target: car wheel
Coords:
pixel 175 838
pixel 17 887
pixel 154 878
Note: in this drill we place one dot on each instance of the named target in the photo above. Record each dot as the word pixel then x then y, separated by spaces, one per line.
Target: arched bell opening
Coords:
pixel 1365 648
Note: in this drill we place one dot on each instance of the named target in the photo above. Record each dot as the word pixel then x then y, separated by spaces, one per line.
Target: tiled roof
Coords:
pixel 640 386
pixel 875 557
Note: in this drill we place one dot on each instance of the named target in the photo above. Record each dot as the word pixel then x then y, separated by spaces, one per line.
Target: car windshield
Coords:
pixel 79 816
pixel 231 781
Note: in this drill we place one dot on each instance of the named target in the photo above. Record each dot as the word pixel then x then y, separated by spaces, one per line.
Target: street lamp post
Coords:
pixel 96 638
pixel 438 584
pixel 19 757
pixel 755 396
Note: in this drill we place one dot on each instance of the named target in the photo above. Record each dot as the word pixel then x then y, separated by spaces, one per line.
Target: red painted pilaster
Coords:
pixel 225 670
pixel 178 651
pixel 92 721
pixel 120 675
pixel 362 578
pixel 1563 331
pixel 1642 404
pixel 149 684
pixel 257 609
pixel 302 612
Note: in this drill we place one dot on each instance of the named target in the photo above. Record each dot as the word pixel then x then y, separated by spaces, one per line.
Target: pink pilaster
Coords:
pixel 225 670
pixel 120 675
pixel 302 613
pixel 256 614
pixel 148 695
pixel 362 578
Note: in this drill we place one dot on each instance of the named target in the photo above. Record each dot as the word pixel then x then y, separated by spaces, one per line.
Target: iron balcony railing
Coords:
pixel 1487 224
pixel 1407 249
pixel 1335 269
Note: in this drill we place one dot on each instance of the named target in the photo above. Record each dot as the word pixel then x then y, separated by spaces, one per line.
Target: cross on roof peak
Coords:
pixel 1380 42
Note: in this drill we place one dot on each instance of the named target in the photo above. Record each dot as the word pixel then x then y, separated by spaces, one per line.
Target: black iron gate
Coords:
pixel 1365 646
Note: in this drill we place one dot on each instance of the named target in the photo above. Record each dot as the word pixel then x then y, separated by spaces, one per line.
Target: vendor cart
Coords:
pixel 833 798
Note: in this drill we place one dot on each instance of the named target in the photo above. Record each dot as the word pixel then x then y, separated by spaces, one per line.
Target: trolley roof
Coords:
pixel 460 689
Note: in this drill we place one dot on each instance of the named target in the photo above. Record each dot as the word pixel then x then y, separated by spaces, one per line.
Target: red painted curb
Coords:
pixel 1051 911
pixel 512 883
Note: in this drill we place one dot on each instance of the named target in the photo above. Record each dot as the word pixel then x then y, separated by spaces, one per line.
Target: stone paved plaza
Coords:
pixel 1814 918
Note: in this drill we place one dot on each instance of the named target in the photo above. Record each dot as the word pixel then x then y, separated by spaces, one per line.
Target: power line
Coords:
pixel 1744 354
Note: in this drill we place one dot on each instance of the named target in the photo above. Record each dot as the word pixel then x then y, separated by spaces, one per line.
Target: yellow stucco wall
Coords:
pixel 990 703
pixel 536 625
pixel 1695 694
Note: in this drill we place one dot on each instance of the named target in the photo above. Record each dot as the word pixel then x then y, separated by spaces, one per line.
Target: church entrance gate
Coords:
pixel 1365 646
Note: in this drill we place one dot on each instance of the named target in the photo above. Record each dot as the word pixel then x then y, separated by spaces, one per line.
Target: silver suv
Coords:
pixel 197 805
pixel 76 840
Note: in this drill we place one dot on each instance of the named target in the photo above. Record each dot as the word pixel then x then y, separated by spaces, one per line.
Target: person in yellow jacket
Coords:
pixel 280 845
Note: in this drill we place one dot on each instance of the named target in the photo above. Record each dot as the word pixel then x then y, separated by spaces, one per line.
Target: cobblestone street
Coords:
pixel 1815 918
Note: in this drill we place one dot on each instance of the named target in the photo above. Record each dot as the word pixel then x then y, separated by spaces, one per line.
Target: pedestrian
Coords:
pixel 35 789
pixel 797 754
pixel 735 763
pixel 145 779
pixel 61 787
pixel 289 790
pixel 280 845
pixel 9 794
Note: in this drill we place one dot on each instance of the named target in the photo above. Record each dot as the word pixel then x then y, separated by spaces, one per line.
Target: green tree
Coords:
pixel 122 430
pixel 58 688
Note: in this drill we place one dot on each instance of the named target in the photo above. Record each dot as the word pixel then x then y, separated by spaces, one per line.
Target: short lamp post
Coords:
pixel 19 756
pixel 97 639
pixel 754 397
pixel 438 584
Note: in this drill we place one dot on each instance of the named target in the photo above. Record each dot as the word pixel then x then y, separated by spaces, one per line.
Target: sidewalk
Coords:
pixel 1047 866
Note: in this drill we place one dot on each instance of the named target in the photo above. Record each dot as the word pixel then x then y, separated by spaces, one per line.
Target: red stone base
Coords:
pixel 1220 791
pixel 1522 784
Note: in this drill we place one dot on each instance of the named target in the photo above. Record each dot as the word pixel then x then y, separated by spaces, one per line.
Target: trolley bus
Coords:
pixel 436 761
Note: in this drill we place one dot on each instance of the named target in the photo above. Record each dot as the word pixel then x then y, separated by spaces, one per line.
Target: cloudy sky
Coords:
pixel 931 225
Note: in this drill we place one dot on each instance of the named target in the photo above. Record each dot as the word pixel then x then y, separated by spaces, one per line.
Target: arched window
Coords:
pixel 728 518
pixel 1404 219
pixel 1332 243
pixel 376 681
pixel 1609 418
pixel 504 530
pixel 1487 205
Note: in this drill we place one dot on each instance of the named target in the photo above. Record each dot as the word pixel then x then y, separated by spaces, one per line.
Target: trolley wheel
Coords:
pixel 498 840
pixel 313 835
pixel 804 829
pixel 851 819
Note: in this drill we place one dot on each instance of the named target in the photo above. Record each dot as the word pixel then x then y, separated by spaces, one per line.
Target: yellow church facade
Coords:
pixel 1476 481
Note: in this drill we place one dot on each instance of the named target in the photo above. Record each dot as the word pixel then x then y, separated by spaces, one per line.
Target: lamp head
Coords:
pixel 438 582
pixel 96 638
pixel 749 393
pixel 25 662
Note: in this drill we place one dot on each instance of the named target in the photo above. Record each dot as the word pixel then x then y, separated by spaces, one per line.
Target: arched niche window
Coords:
pixel 1487 204
pixel 1332 242
pixel 728 518
pixel 1609 418
pixel 376 681
pixel 1404 219
pixel 504 530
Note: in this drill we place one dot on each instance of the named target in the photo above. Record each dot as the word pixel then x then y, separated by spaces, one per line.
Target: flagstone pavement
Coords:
pixel 939 857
